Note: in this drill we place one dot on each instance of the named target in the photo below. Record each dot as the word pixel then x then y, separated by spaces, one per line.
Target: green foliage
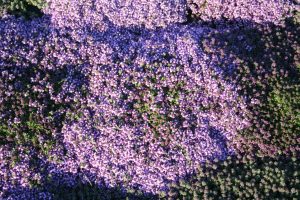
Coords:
pixel 279 116
pixel 32 116
pixel 27 133
pixel 148 107
pixel 27 8
pixel 74 116
pixel 6 135
pixel 251 178
pixel 284 105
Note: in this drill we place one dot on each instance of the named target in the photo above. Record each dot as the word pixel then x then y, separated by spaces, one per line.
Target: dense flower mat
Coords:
pixel 169 99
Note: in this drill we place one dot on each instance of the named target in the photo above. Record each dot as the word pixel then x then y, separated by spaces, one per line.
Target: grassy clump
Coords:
pixel 30 114
pixel 26 8
pixel 154 103
pixel 241 177
pixel 28 133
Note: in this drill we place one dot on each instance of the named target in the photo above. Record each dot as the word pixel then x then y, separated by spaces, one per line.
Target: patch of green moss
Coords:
pixel 149 107
pixel 26 8
pixel 241 177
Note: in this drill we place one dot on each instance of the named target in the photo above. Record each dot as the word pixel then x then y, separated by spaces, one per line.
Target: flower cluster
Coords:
pixel 19 171
pixel 125 13
pixel 151 124
pixel 258 11
pixel 130 94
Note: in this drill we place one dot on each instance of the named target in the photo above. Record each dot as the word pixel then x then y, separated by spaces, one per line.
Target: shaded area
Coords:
pixel 263 62
pixel 235 177
pixel 22 8
pixel 220 140
pixel 241 177
pixel 33 101
pixel 56 184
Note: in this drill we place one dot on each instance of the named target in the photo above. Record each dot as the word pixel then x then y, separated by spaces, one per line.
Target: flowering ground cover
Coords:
pixel 135 99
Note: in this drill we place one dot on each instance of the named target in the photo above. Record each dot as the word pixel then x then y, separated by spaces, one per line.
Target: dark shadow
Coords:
pixel 235 176
pixel 59 185
pixel 217 136
pixel 260 60
pixel 21 9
